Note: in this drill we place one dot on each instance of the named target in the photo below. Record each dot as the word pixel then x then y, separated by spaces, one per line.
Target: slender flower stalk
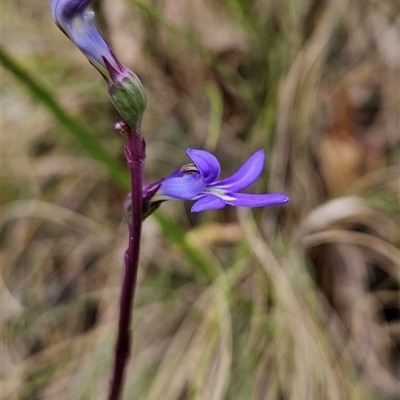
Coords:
pixel 135 152
pixel 196 181
pixel 127 94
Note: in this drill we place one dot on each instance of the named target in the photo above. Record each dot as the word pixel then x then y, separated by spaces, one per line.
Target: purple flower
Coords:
pixel 198 181
pixel 76 21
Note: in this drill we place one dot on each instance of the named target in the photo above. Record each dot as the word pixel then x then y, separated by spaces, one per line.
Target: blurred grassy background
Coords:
pixel 288 303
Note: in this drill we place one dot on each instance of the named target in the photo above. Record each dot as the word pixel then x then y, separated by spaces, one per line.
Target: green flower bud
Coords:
pixel 128 96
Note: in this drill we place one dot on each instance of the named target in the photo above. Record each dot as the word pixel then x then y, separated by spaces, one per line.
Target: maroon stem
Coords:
pixel 135 154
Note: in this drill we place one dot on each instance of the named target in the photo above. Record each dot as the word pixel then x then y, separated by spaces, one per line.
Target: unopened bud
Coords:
pixel 128 96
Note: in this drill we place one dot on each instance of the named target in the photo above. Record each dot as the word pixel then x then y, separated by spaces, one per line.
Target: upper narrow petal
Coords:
pixel 208 202
pixel 207 164
pixel 246 174
pixel 254 200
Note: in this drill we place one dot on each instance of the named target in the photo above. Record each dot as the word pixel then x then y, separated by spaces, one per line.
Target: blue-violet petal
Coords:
pixel 245 176
pixel 183 187
pixel 254 200
pixel 207 164
pixel 208 202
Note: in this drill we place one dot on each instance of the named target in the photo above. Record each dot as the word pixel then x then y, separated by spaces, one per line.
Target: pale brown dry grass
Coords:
pixel 296 302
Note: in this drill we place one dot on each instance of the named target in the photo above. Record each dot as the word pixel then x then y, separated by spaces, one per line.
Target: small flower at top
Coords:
pixel 76 21
pixel 198 181
pixel 125 89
